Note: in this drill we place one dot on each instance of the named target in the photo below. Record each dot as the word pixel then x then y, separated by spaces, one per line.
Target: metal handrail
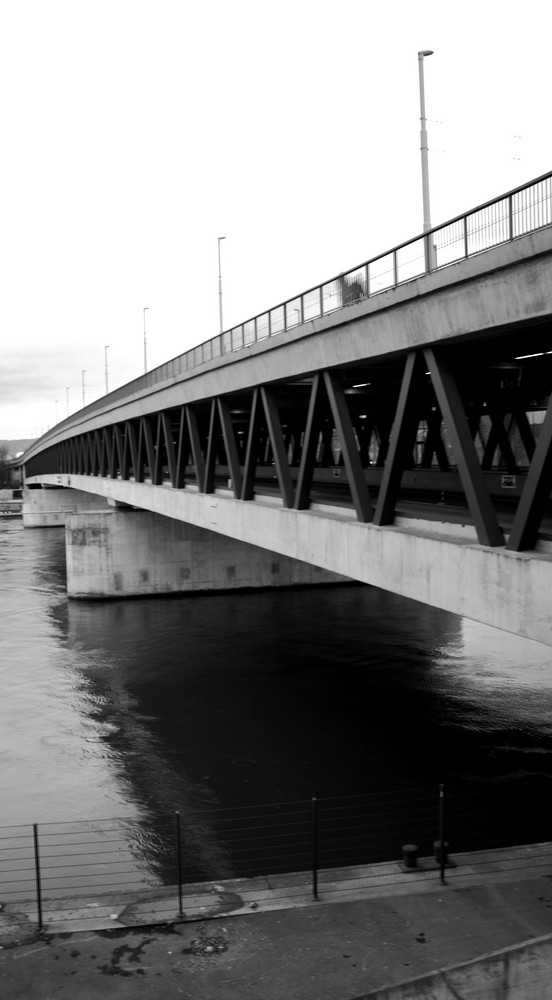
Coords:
pixel 521 210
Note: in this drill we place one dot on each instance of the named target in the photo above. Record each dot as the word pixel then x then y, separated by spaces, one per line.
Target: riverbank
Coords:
pixel 268 946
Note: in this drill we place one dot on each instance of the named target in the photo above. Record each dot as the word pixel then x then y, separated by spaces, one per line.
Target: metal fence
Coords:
pixel 523 210
pixel 311 847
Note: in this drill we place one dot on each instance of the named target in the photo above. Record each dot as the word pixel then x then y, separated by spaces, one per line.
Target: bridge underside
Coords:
pixel 436 562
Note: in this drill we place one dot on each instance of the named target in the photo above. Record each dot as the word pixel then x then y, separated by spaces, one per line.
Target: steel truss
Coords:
pixel 451 421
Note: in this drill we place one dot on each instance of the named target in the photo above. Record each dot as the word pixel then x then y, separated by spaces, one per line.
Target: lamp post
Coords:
pixel 83 373
pixel 145 348
pixel 220 282
pixel 67 398
pixel 423 140
pixel 106 369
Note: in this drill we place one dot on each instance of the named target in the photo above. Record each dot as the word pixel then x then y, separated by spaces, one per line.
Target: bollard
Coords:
pixel 437 845
pixel 410 855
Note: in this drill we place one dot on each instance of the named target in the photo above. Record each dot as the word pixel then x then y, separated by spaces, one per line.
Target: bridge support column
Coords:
pixel 130 553
pixel 49 506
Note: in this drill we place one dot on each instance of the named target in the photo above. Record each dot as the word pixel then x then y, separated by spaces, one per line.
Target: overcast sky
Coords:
pixel 134 133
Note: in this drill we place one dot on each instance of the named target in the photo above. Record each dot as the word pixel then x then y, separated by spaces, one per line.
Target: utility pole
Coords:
pixel 220 283
pixel 429 249
pixel 145 348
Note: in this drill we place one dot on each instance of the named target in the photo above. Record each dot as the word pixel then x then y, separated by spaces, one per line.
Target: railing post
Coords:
pixel 442 851
pixel 314 828
pixel 37 876
pixel 321 290
pixel 178 860
pixel 395 270
pixel 367 269
pixel 510 218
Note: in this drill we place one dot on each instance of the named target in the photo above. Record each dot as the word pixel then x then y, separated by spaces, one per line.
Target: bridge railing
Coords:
pixel 518 212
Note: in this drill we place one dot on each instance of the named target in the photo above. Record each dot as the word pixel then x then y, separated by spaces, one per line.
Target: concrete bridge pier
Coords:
pixel 126 552
pixel 49 506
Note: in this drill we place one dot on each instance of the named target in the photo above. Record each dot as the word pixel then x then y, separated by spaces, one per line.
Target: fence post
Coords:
pixel 442 852
pixel 178 860
pixel 37 876
pixel 314 827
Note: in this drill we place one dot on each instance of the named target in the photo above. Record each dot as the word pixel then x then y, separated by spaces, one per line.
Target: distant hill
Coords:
pixel 17 445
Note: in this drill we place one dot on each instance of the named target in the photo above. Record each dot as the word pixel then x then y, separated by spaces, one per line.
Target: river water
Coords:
pixel 140 707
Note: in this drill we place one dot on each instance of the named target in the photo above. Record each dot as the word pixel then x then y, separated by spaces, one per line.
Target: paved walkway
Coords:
pixel 262 943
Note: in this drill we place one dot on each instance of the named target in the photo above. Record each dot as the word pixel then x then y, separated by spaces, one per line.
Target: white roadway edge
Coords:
pixel 441 565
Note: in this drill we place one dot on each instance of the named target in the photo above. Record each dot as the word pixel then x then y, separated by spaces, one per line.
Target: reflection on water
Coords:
pixel 138 708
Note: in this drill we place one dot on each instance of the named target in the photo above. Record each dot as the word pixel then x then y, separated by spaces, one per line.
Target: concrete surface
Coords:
pixel 49 508
pixel 519 973
pixel 124 553
pixel 343 947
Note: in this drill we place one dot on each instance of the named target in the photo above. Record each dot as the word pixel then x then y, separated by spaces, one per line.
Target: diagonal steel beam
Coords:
pixel 251 454
pixel 215 439
pixel 349 449
pixel 318 406
pixel 146 449
pixel 195 441
pixel 157 471
pixel 230 445
pixel 183 450
pixel 525 432
pixel 120 453
pixel 403 439
pixel 166 427
pixel 469 469
pixel 278 446
pixel 131 446
pixel 536 491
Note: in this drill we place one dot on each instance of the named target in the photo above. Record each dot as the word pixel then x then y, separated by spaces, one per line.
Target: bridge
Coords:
pixel 392 426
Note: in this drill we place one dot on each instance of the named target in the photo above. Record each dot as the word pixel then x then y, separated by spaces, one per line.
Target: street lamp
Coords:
pixel 220 282
pixel 423 140
pixel 145 348
pixel 83 373
pixel 67 398
pixel 106 379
